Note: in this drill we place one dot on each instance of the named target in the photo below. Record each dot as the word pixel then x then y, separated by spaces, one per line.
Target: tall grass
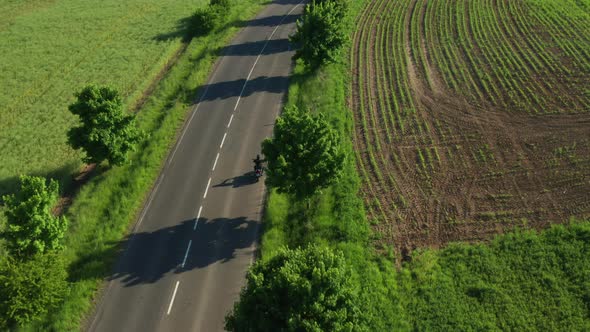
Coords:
pixel 525 281
pixel 105 207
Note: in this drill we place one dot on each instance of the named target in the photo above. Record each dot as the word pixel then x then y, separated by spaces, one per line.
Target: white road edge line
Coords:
pixel 215 163
pixel 223 140
pixel 191 119
pixel 198 217
pixel 173 296
pixel 147 207
pixel 186 254
pixel 207 189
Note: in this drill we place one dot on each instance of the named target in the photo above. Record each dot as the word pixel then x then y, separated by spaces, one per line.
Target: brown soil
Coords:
pixel 486 169
pixel 66 199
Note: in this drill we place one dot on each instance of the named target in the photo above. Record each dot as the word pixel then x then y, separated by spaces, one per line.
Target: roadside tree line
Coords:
pixel 33 272
pixel 310 288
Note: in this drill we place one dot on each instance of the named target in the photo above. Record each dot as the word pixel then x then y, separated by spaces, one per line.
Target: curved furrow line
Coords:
pixel 361 134
pixel 474 72
pixel 382 106
pixel 376 108
pixel 513 70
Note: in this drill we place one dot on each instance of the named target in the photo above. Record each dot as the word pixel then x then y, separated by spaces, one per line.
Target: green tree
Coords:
pixel 106 133
pixel 304 155
pixel 28 289
pixel 298 290
pixel 31 226
pixel 321 33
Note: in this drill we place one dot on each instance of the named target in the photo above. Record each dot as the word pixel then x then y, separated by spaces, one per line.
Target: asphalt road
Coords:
pixel 184 263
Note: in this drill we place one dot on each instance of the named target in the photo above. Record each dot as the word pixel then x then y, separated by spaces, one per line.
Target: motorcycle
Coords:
pixel 257 173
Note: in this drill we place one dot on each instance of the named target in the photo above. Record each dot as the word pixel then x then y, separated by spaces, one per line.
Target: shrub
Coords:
pixel 204 20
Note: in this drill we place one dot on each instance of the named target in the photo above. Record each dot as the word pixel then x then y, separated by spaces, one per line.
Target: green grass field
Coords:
pixel 51 48
pixel 519 282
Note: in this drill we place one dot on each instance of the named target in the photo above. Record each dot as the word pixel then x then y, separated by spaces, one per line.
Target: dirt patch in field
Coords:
pixel 442 167
pixel 65 201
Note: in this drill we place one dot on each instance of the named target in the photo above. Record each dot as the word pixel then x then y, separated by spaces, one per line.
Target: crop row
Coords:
pixel 512 54
pixel 493 54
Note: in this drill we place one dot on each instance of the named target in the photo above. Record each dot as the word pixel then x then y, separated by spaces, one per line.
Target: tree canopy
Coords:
pixel 106 133
pixel 321 32
pixel 31 226
pixel 304 155
pixel 29 289
pixel 298 290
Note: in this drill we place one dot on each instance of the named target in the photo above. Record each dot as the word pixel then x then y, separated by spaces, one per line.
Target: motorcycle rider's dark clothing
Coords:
pixel 258 162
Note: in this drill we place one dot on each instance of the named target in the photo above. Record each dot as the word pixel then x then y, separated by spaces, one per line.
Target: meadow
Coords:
pixel 522 281
pixel 471 117
pixel 49 49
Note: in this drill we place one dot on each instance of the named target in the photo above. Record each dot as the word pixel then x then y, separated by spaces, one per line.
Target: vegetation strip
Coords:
pixel 104 208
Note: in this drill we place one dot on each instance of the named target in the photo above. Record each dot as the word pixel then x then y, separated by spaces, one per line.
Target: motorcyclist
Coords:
pixel 258 163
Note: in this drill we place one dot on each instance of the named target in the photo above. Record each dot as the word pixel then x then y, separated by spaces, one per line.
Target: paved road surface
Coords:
pixel 185 262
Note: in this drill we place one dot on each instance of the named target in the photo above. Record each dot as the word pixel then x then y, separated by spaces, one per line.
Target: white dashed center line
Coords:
pixel 207 189
pixel 173 296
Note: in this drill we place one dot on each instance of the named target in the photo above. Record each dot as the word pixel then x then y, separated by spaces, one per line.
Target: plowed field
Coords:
pixel 471 116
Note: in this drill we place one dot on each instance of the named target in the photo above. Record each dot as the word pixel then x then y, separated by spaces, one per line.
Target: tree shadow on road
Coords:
pixel 261 47
pixel 221 240
pixel 229 89
pixel 146 257
pixel 269 21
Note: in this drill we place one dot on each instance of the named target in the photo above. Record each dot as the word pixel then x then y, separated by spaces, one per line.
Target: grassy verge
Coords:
pixel 520 281
pixel 337 216
pixel 106 206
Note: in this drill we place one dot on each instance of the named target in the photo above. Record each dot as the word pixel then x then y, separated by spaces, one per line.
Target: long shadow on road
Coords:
pixel 261 47
pixel 229 89
pixel 270 21
pixel 151 255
